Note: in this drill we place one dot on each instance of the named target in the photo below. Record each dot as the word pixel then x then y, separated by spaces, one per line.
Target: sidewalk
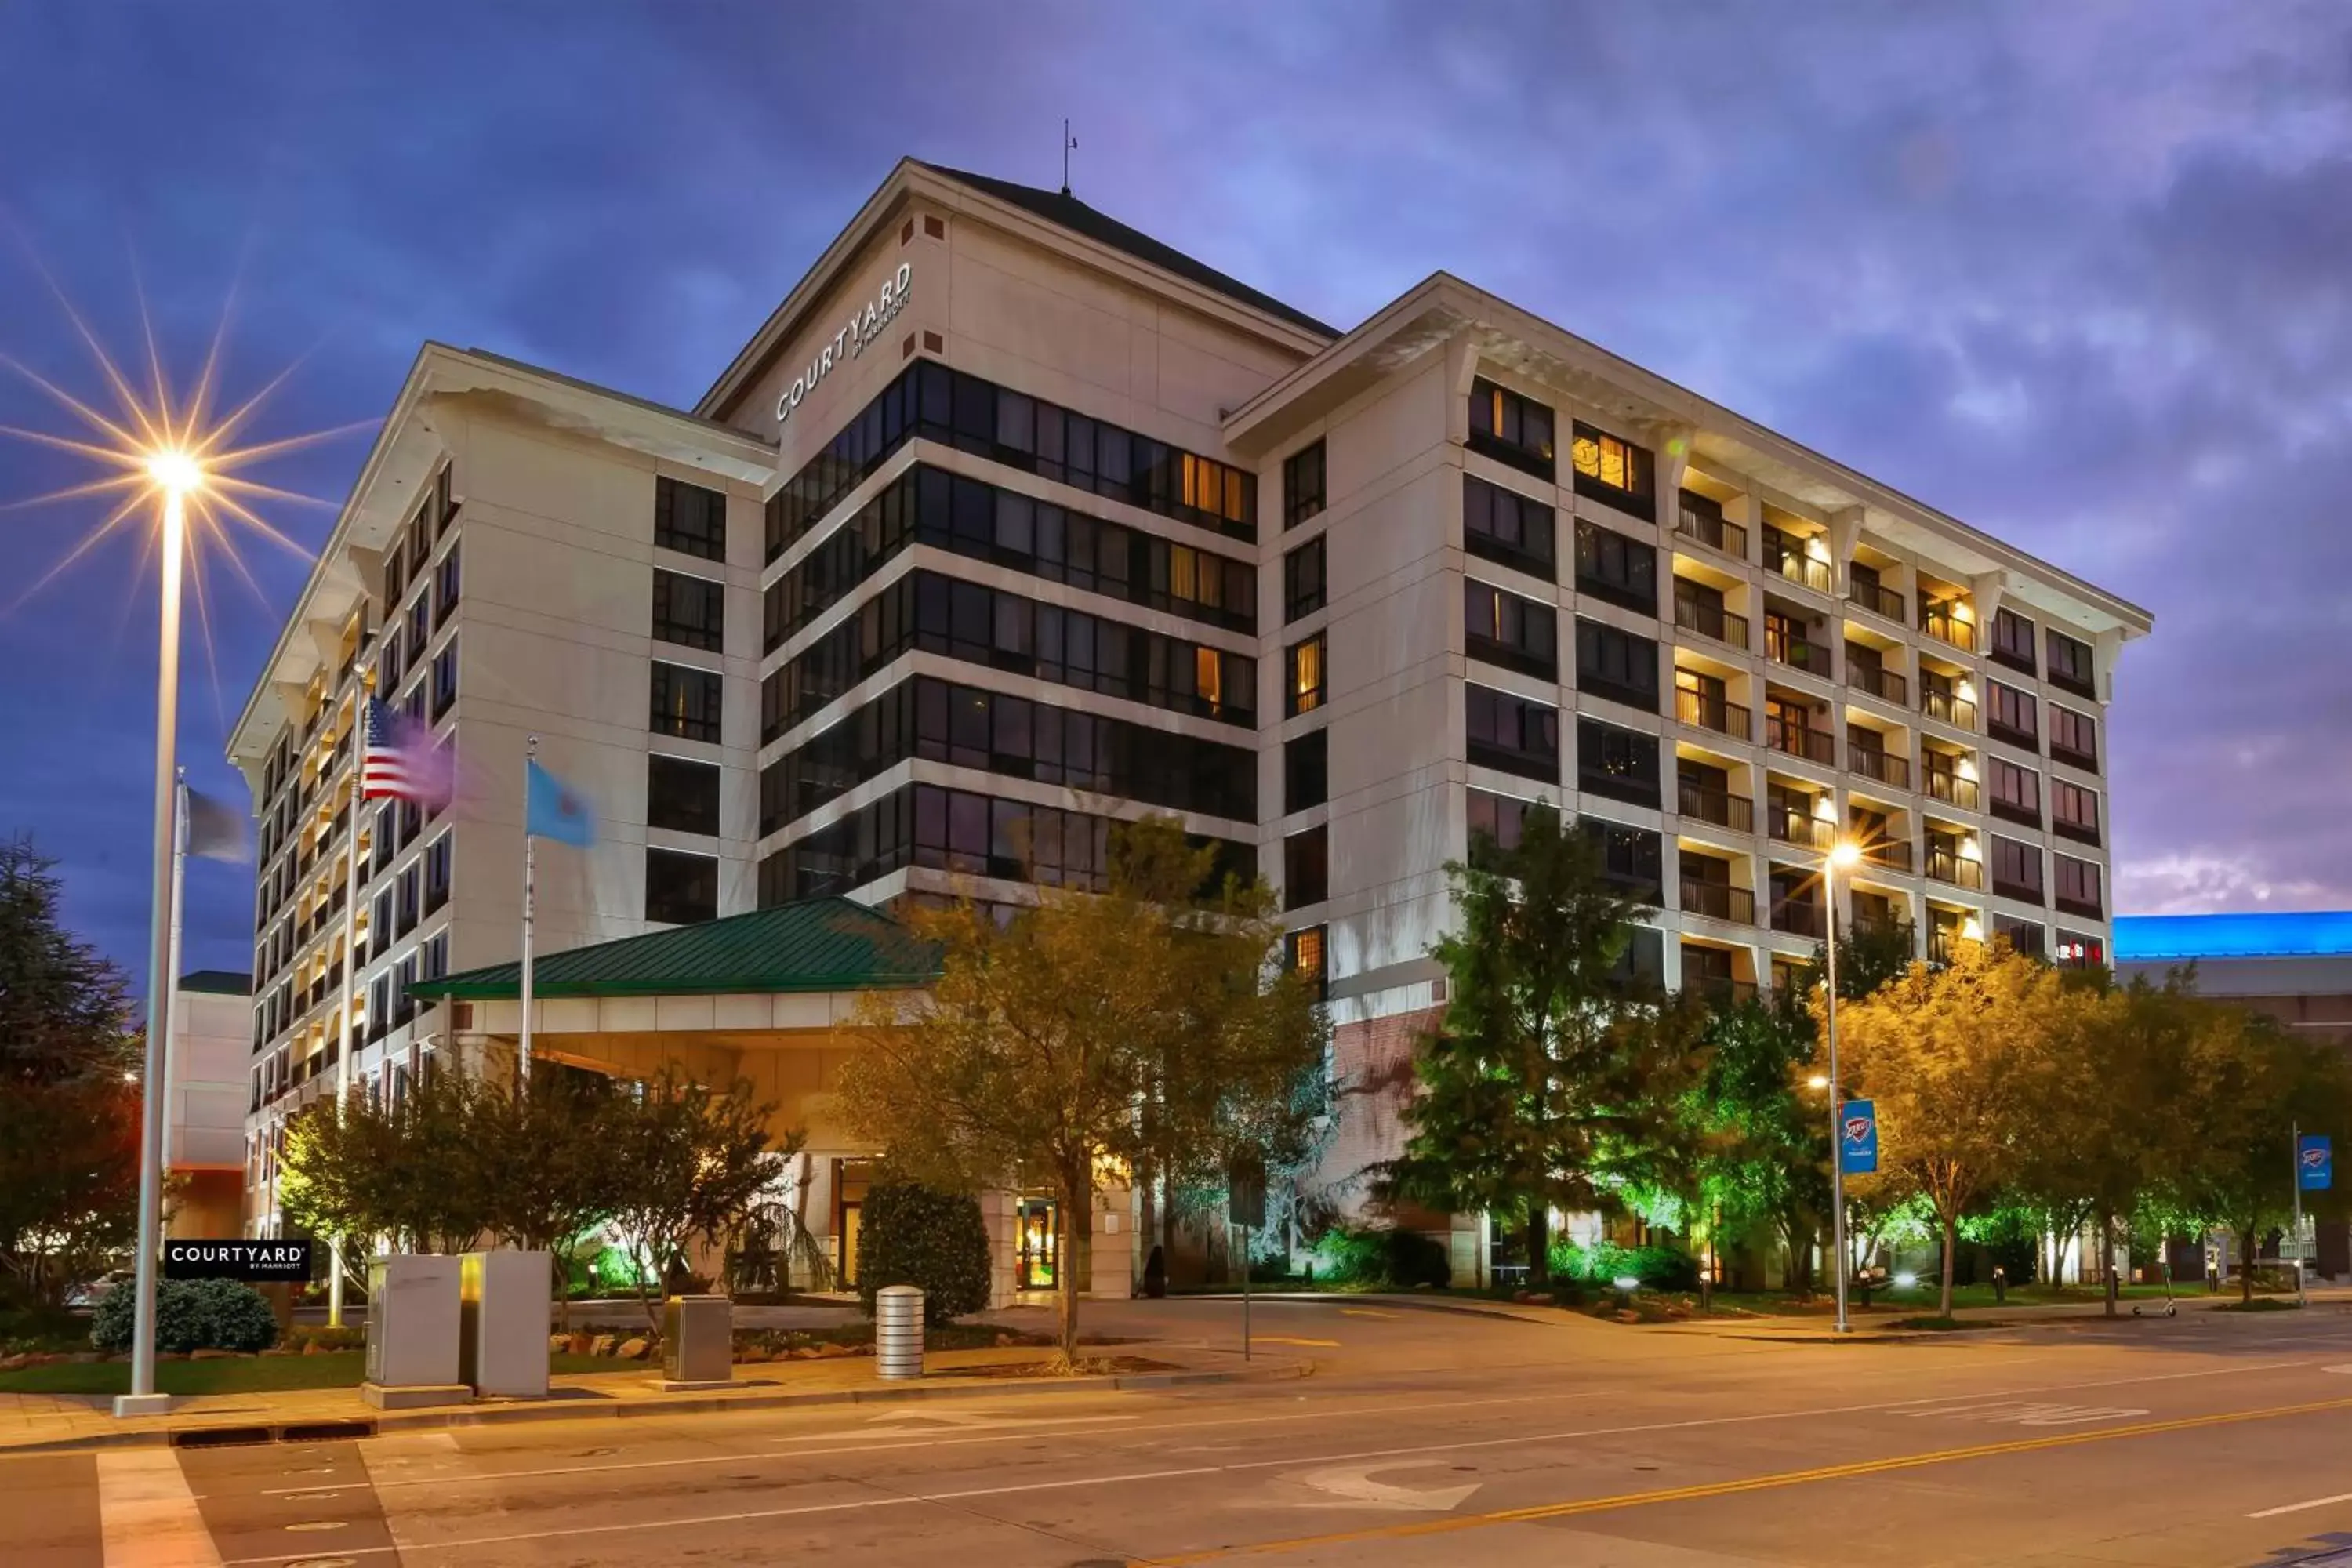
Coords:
pixel 1879 1322
pixel 39 1422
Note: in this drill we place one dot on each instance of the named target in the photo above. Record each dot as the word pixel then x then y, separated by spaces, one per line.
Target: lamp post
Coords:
pixel 175 474
pixel 1841 856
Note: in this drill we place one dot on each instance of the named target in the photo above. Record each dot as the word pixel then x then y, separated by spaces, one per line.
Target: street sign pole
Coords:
pixel 2295 1141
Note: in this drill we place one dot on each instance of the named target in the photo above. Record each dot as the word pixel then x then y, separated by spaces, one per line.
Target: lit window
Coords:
pixel 1207 678
pixel 1306 675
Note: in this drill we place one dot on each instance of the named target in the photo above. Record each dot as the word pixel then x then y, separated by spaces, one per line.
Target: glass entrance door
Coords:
pixel 1040 1232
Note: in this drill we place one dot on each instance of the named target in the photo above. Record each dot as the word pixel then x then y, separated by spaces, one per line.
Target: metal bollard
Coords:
pixel 898 1331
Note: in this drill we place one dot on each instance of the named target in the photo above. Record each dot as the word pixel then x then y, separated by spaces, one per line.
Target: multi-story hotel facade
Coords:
pixel 1011 522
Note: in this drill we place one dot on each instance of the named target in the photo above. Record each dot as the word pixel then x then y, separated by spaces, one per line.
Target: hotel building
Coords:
pixel 1011 522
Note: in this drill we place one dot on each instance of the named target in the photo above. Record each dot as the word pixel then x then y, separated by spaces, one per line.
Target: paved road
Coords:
pixel 1424 1437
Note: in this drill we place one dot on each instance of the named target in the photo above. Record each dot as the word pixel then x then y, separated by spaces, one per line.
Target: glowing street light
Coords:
pixel 1843 855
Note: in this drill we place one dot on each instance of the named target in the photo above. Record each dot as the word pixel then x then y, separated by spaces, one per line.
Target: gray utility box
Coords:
pixel 698 1340
pixel 503 1350
pixel 413 1321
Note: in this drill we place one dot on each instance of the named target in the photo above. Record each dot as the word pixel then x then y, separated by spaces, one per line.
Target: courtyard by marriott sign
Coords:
pixel 233 1259
pixel 851 340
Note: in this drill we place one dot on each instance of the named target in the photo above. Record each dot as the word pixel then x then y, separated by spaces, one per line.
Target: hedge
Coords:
pixel 190 1315
pixel 932 1240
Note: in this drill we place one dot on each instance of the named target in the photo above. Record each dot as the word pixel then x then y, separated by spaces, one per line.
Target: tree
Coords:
pixel 69 1113
pixel 1555 1081
pixel 1049 1042
pixel 936 1241
pixel 1944 1053
pixel 1764 1139
pixel 688 1163
pixel 418 1171
pixel 546 1168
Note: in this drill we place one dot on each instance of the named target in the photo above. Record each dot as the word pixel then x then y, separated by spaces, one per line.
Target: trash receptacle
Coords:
pixel 898 1331
pixel 698 1340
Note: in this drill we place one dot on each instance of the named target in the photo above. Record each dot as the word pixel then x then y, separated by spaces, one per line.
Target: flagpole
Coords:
pixel 350 966
pixel 522 1059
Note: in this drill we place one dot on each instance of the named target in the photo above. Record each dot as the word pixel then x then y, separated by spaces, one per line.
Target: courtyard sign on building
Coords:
pixel 851 340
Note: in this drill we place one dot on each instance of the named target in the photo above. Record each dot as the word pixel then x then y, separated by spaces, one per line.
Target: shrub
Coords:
pixel 932 1240
pixel 1605 1262
pixel 190 1315
pixel 1383 1255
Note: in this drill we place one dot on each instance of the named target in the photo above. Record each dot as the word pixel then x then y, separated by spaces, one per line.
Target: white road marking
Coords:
pixel 2028 1413
pixel 1354 1484
pixel 149 1518
pixel 2299 1507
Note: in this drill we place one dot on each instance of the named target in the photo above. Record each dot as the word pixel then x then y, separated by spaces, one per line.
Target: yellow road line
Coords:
pixel 1748 1484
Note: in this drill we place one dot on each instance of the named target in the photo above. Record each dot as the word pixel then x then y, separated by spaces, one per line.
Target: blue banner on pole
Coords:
pixel 1857 1137
pixel 2315 1162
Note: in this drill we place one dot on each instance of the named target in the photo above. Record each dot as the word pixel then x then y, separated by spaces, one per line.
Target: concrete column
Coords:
pixel 1846 532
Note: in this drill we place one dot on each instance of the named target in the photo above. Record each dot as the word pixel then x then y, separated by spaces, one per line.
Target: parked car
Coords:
pixel 97 1290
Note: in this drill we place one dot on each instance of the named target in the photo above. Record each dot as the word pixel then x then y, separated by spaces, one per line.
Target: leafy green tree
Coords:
pixel 1763 1162
pixel 417 1172
pixel 1048 1043
pixel 545 1163
pixel 1555 1081
pixel 69 1113
pixel 689 1164
pixel 934 1240
pixel 1944 1055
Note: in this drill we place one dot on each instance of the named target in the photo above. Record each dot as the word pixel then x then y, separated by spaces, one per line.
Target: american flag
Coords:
pixel 401 761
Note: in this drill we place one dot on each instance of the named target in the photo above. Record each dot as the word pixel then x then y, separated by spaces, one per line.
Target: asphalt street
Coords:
pixel 1423 1437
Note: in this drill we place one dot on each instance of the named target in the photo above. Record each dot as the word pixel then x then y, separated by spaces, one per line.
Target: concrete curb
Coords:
pixel 324 1428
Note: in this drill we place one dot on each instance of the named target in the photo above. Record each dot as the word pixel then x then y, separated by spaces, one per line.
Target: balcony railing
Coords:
pixel 1721 808
pixel 1878 681
pixel 1797 652
pixel 1714 713
pixel 1878 600
pixel 1946 865
pixel 1947 709
pixel 1799 828
pixel 1872 762
pixel 1798 918
pixel 1718 901
pixel 1800 741
pixel 1712 531
pixel 1711 621
pixel 1939 621
pixel 1950 788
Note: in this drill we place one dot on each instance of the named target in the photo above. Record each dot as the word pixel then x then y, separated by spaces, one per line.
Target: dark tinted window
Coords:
pixel 680 889
pixel 1302 485
pixel 690 518
pixel 1505 629
pixel 689 611
pixel 1306 770
pixel 1621 764
pixel 1306 868
pixel 1617 665
pixel 681 796
pixel 2070 664
pixel 1611 566
pixel 1512 734
pixel 2012 639
pixel 1510 428
pixel 1505 526
pixel 1302 580
pixel 686 703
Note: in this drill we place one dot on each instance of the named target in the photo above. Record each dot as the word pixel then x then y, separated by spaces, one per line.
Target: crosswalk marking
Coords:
pixel 150 1516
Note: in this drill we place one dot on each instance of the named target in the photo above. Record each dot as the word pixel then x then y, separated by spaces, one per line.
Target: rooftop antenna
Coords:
pixel 1069 145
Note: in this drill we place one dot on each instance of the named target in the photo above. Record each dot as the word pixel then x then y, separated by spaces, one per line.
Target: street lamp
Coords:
pixel 176 475
pixel 1844 855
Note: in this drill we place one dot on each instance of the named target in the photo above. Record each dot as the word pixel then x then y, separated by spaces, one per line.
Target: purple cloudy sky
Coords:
pixel 2080 274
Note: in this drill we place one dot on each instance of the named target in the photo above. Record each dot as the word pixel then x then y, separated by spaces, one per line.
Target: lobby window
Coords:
pixel 1505 629
pixel 686 703
pixel 1306 868
pixel 2012 640
pixel 2017 869
pixel 1612 469
pixel 2078 886
pixel 2070 664
pixel 2073 811
pixel 1511 429
pixel 2010 715
pixel 446 582
pixel 1307 770
pixel 681 796
pixel 2081 950
pixel 1617 665
pixel 1303 687
pixel 1303 953
pixel 1512 734
pixel 1621 764
pixel 1507 528
pixel 689 611
pixel 680 889
pixel 2016 792
pixel 1617 569
pixel 1302 580
pixel 1302 485
pixel 690 519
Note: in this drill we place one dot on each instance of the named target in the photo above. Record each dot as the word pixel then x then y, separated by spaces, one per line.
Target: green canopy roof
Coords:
pixel 815 944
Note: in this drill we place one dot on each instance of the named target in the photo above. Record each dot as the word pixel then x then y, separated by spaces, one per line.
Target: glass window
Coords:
pixel 1621 764
pixel 2012 639
pixel 1302 485
pixel 2073 807
pixel 2070 663
pixel 446 582
pixel 1303 951
pixel 689 611
pixel 2016 868
pixel 1611 566
pixel 1617 665
pixel 686 703
pixel 2010 715
pixel 2073 737
pixel 1504 526
pixel 1303 689
pixel 1512 734
pixel 1306 868
pixel 1612 469
pixel 690 518
pixel 680 889
pixel 2026 936
pixel 681 796
pixel 1505 629
pixel 1302 580
pixel 1306 770
pixel 2078 885
pixel 2016 791
pixel 1510 428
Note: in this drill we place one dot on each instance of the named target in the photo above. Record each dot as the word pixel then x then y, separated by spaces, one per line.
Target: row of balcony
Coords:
pixel 1785 557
